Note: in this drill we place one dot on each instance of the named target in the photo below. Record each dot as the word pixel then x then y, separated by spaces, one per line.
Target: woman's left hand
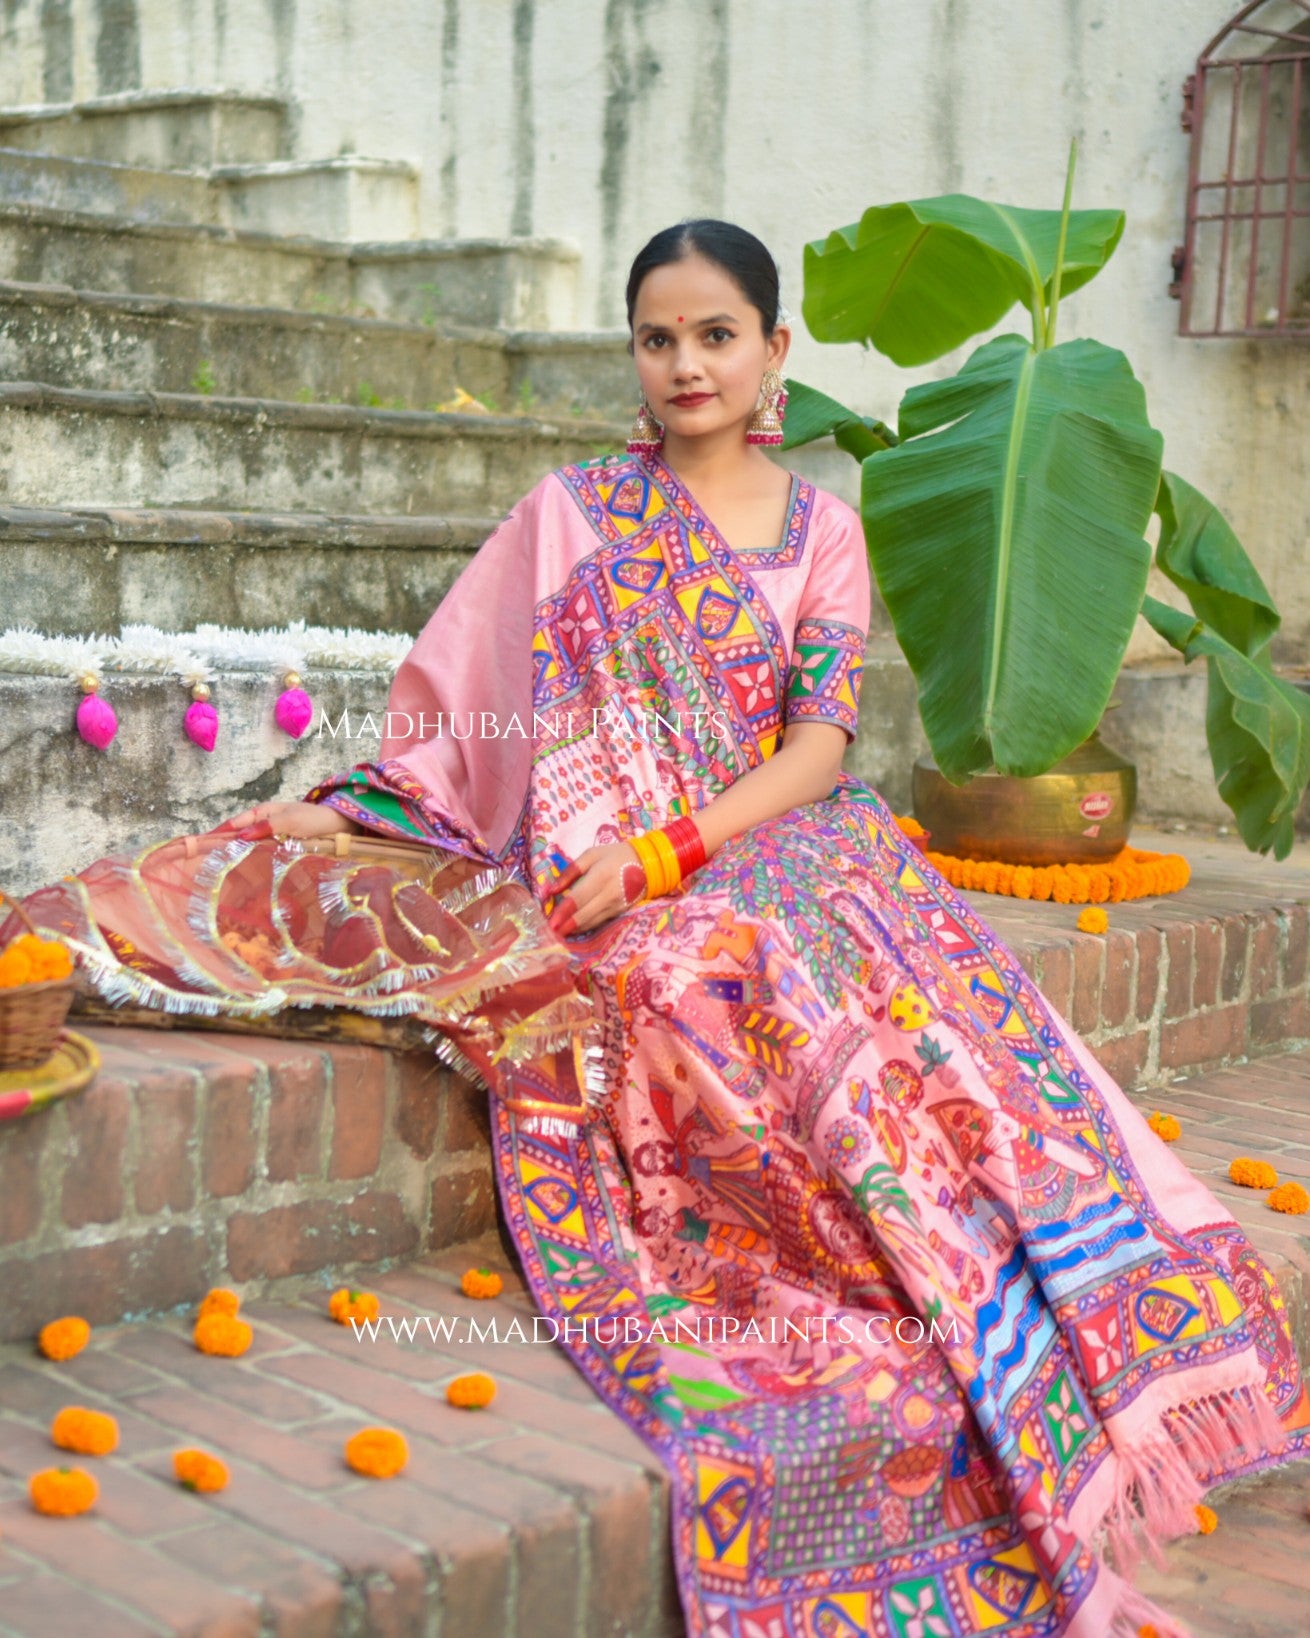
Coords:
pixel 599 883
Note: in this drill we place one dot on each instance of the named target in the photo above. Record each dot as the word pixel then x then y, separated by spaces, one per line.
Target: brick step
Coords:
pixel 62 446
pixel 520 284
pixel 167 130
pixel 71 571
pixel 117 343
pixel 541 1516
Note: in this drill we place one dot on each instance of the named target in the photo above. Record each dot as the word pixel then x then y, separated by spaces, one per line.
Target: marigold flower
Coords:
pixel 1252 1174
pixel 1207 1520
pixel 1166 1127
pixel 222 1334
pixel 85 1432
pixel 219 1301
pixel 62 1492
pixel 63 1338
pixel 198 1470
pixel 1148 1630
pixel 481 1282
pixel 346 1305
pixel 1291 1198
pixel 471 1391
pixel 379 1453
pixel 1093 921
pixel 1132 874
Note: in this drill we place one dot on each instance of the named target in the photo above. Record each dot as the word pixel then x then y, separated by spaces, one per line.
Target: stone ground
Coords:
pixel 541 1514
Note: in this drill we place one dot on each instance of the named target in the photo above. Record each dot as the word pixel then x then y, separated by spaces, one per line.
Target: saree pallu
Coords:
pixel 844 1221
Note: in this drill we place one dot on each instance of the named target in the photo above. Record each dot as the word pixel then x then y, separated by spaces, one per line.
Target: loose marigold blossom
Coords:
pixel 63 1338
pixel 1252 1174
pixel 219 1301
pixel 1291 1198
pixel 63 1492
pixel 1093 921
pixel 223 1335
pixel 481 1282
pixel 1207 1520
pixel 85 1432
pixel 198 1470
pixel 1166 1127
pixel 378 1453
pixel 346 1305
pixel 472 1391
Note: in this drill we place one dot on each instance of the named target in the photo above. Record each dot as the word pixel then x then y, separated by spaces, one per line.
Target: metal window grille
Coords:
pixel 1244 269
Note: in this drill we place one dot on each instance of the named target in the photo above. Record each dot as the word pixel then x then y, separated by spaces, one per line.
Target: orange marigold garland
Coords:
pixel 481 1282
pixel 1132 874
pixel 471 1391
pixel 63 1338
pixel 222 1334
pixel 219 1301
pixel 346 1305
pixel 85 1432
pixel 1252 1174
pixel 198 1470
pixel 378 1453
pixel 1290 1197
pixel 1207 1520
pixel 1167 1128
pixel 63 1492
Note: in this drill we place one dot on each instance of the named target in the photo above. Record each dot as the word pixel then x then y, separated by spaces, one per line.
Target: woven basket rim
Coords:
pixel 38 984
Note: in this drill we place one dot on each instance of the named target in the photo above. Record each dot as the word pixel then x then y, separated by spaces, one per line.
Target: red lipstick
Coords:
pixel 689 400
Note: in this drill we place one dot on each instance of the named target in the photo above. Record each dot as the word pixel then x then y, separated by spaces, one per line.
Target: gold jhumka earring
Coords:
pixel 647 434
pixel 765 425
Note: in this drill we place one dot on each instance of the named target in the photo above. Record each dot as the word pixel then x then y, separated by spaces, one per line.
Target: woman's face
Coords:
pixel 700 348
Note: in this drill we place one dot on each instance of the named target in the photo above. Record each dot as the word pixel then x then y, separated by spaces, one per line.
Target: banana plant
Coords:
pixel 1006 515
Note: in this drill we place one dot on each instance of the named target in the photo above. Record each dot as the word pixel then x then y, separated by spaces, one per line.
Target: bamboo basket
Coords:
pixel 32 1015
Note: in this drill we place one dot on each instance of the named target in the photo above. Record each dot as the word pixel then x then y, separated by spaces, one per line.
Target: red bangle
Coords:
pixel 688 844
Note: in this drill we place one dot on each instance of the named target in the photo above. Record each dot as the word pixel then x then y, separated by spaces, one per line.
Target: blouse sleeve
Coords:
pixel 832 626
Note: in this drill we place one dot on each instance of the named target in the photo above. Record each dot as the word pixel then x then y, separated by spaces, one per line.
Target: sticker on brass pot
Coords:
pixel 1096 805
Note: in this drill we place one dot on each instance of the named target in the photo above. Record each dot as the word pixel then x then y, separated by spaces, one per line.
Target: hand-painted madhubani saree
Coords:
pixel 918 1313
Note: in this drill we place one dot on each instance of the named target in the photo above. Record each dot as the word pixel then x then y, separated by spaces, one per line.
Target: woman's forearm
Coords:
pixel 803 770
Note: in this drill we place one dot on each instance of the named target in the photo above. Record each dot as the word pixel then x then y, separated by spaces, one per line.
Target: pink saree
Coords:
pixel 843 1219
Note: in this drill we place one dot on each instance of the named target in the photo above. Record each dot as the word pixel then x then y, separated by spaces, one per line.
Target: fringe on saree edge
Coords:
pixel 1134 1613
pixel 1163 1476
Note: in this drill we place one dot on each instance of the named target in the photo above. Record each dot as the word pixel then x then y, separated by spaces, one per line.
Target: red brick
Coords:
pixel 1124 1057
pixel 1178 981
pixel 302 1594
pixel 165 1122
pixel 94 1166
pixel 1281 1022
pixel 1237 945
pixel 420 1088
pixel 212 1423
pixel 1057 976
pixel 230 1137
pixel 21 1148
pixel 136 1575
pixel 1207 960
pixel 1204 1038
pixel 463 1204
pixel 243 1385
pixel 467 1118
pixel 1294 953
pixel 401 1606
pixel 1264 957
pixel 40 1606
pixel 1117 990
pixel 367 1383
pixel 297 1104
pixel 1149 943
pixel 359 1110
pixel 314 1234
pixel 1088 957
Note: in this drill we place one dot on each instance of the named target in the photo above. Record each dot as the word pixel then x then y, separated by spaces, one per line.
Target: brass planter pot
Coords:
pixel 1080 812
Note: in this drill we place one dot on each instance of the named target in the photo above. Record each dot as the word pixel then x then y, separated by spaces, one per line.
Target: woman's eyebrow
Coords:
pixel 699 324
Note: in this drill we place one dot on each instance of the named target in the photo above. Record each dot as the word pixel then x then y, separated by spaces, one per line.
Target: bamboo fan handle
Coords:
pixel 18 911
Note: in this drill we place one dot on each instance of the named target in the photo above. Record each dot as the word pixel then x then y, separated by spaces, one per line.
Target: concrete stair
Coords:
pixel 166 130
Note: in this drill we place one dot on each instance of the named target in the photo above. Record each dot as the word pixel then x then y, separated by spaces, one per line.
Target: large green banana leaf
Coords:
pixel 1199 552
pixel 917 279
pixel 1006 534
pixel 1258 728
pixel 812 414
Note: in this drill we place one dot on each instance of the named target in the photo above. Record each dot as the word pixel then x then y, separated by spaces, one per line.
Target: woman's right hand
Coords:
pixel 304 819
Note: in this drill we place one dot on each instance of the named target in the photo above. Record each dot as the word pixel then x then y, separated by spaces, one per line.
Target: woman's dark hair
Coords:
pixel 738 253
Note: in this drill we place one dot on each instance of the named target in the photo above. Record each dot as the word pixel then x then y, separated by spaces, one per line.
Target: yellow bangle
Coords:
pixel 653 863
pixel 668 859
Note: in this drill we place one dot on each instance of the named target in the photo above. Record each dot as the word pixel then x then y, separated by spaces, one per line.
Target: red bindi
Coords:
pixel 679 318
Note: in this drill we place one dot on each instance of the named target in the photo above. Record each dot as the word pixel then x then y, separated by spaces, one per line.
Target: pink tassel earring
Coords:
pixel 765 425
pixel 647 434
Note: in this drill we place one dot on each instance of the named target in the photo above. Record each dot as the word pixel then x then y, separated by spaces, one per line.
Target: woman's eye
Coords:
pixel 720 335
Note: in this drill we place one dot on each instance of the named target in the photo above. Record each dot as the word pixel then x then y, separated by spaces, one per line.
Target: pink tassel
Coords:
pixel 96 721
pixel 201 724
pixel 294 711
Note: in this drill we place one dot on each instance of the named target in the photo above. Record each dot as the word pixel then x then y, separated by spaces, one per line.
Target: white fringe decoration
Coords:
pixel 194 656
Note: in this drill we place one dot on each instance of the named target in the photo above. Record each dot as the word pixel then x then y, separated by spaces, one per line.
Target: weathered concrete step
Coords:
pixel 97 187
pixel 540 1516
pixel 60 445
pixel 167 130
pixel 70 572
pixel 518 284
pixel 121 343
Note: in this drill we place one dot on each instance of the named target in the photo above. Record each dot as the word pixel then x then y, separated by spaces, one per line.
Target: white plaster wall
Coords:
pixel 603 120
